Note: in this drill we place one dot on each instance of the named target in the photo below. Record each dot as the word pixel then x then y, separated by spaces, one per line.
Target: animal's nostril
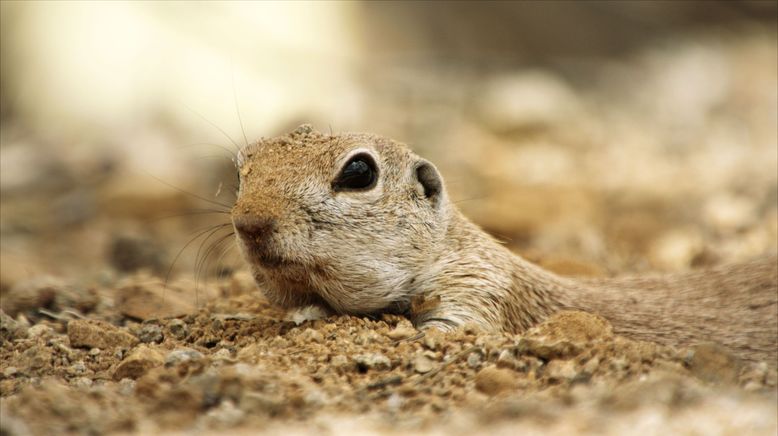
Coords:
pixel 253 228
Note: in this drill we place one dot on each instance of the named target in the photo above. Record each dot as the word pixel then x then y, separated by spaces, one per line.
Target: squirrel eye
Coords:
pixel 358 174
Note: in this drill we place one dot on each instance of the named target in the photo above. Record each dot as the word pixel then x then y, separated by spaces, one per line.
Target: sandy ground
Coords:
pixel 585 177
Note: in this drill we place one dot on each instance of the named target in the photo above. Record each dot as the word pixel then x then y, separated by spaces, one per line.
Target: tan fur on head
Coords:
pixel 399 245
pixel 322 246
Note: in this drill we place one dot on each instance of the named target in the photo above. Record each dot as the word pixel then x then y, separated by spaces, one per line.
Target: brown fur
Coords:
pixel 402 241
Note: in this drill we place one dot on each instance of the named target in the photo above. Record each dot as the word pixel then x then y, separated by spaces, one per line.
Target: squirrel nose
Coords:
pixel 252 228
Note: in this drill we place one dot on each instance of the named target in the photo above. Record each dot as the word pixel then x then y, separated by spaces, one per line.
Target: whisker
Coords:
pixel 202 268
pixel 481 197
pixel 227 247
pixel 226 207
pixel 200 260
pixel 237 147
pixel 211 144
pixel 175 259
pixel 189 213
pixel 237 108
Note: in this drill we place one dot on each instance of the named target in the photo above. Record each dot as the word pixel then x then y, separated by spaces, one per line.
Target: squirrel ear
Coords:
pixel 431 183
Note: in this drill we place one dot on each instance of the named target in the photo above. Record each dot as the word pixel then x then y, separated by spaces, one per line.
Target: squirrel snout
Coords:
pixel 253 229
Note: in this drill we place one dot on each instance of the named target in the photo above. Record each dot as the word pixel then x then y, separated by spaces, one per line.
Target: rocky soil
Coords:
pixel 100 361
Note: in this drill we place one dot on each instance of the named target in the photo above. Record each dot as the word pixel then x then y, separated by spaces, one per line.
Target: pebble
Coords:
pixel 40 331
pixel 402 331
pixel 591 365
pixel 178 329
pixel 138 362
pixel 311 335
pixel 561 370
pixel 183 355
pixel 82 382
pixel 506 359
pixel 98 334
pixel 375 361
pixel 151 333
pixel 492 380
pixel 36 357
pixel 10 372
pixel 713 363
pixel 422 364
pixel 11 329
pixel 474 359
pixel 339 361
pixel 430 341
pixel 223 354
pixel 126 386
pixel 548 351
pixel 225 415
pixel 77 368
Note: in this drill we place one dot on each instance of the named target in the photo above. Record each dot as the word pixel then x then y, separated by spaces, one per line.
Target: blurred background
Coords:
pixel 595 138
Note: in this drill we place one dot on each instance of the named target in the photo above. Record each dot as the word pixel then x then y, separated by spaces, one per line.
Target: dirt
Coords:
pixel 236 363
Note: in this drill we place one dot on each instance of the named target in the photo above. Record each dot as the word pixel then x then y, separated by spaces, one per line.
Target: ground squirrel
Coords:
pixel 359 224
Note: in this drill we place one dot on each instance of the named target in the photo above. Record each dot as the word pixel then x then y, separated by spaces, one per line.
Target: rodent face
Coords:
pixel 345 220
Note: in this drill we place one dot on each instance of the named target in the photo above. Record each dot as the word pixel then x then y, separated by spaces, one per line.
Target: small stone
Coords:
pixel 422 364
pixel 94 352
pixel 138 362
pixel 40 331
pixel 311 335
pixel 755 374
pixel 591 365
pixel 98 334
pixel 506 359
pixel 151 333
pixel 474 359
pixel 713 363
pixel 367 337
pixel 223 354
pixel 430 341
pixel 561 370
pixel 619 364
pixel 402 331
pixel 178 329
pixel 303 314
pixel 10 372
pixel 82 382
pixel 225 415
pixel 11 329
pixel 395 402
pixel 548 350
pixel 375 361
pixel 183 355
pixel 36 357
pixel 77 368
pixel 126 387
pixel 340 362
pixel 492 381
